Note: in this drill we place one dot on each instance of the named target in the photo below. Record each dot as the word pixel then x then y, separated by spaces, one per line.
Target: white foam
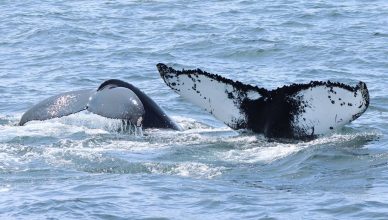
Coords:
pixel 120 152
pixel 255 149
pixel 189 123
pixel 187 169
pixel 260 154
pixel 5 188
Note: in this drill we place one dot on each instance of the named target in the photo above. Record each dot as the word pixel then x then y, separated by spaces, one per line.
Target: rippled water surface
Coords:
pixel 80 167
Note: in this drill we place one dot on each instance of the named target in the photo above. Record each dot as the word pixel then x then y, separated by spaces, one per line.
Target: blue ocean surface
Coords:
pixel 80 167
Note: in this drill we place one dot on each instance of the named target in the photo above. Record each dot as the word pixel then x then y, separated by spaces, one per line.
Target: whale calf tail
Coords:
pixel 294 111
pixel 114 99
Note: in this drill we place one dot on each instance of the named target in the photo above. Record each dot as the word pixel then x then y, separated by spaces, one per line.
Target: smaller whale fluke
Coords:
pixel 299 111
pixel 58 106
pixel 114 99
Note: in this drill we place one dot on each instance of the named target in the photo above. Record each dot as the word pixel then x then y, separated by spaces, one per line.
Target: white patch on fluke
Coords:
pixel 60 103
pixel 221 99
pixel 327 108
pixel 253 95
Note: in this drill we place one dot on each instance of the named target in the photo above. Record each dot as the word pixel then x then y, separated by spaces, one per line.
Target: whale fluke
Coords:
pixel 294 111
pixel 113 99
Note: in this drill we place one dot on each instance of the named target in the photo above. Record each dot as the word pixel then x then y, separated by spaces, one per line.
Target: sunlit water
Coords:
pixel 80 166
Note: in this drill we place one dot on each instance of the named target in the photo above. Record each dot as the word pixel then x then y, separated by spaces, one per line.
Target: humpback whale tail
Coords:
pixel 114 99
pixel 293 111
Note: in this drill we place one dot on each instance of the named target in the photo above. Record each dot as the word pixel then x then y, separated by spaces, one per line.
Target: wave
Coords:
pixel 90 143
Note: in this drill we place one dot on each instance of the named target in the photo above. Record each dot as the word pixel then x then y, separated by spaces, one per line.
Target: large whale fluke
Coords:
pixel 294 111
pixel 113 99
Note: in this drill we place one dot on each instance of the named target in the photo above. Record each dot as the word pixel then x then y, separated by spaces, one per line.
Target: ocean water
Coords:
pixel 80 167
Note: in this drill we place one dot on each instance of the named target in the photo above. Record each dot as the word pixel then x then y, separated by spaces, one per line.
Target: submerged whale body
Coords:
pixel 114 99
pixel 300 111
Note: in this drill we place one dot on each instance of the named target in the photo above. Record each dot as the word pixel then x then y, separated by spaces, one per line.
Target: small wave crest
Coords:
pixel 83 123
pixel 90 143
pixel 257 149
